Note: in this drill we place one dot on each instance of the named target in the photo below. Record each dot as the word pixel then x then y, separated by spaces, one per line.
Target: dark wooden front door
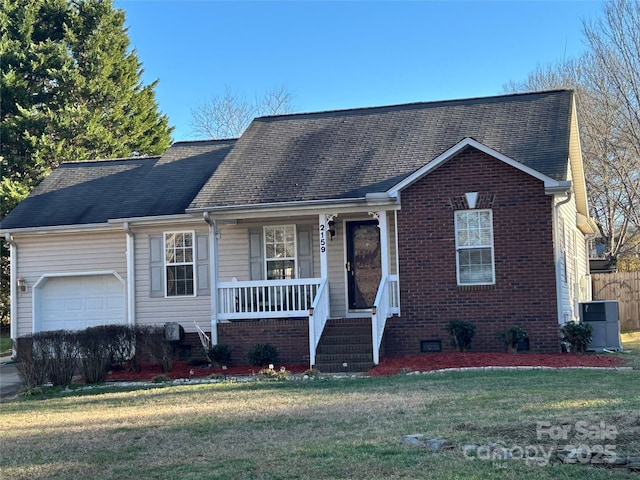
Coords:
pixel 363 263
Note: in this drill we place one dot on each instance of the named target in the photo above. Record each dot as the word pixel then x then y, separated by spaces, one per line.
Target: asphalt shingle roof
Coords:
pixel 347 154
pixel 97 191
pixel 304 157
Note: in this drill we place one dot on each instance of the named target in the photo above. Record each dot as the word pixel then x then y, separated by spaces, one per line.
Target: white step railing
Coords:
pixel 266 298
pixel 386 304
pixel 318 315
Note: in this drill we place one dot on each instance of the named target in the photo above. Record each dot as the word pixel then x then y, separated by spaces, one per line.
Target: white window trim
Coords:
pixel 295 249
pixel 192 263
pixel 459 248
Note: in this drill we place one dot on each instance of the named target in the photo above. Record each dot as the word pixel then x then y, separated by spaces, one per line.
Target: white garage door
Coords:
pixel 78 302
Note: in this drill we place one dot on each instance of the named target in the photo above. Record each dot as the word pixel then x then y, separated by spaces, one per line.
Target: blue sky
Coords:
pixel 335 55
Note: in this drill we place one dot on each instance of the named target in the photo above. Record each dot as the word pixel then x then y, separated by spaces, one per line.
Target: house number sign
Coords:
pixel 323 238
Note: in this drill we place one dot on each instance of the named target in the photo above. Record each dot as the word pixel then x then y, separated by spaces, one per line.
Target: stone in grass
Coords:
pixel 574 455
pixel 419 440
pixel 470 449
pixel 633 464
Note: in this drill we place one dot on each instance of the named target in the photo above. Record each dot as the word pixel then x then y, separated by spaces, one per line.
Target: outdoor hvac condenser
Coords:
pixel 602 315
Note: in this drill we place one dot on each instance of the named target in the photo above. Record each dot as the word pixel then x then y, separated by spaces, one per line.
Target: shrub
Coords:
pixel 121 343
pixel 461 334
pixel 152 342
pixel 511 337
pixel 578 334
pixel 62 348
pixel 94 346
pixel 32 361
pixel 219 354
pixel 263 354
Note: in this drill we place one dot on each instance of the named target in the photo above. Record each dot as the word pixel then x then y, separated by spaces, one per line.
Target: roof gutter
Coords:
pixel 131 274
pixel 13 284
pixel 556 249
pixel 309 206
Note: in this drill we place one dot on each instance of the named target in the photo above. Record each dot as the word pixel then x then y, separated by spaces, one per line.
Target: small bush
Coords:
pixel 32 361
pixel 263 354
pixel 62 348
pixel 160 379
pixel 219 354
pixel 511 337
pixel 578 334
pixel 461 334
pixel 152 342
pixel 94 346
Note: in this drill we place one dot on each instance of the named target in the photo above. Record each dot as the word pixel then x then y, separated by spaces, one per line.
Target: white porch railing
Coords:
pixel 318 315
pixel 266 298
pixel 386 304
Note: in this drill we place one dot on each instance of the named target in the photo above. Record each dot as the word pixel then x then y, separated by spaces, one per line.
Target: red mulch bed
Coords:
pixel 180 369
pixel 437 361
pixel 389 365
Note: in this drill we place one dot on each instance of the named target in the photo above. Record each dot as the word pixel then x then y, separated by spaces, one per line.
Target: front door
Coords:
pixel 363 263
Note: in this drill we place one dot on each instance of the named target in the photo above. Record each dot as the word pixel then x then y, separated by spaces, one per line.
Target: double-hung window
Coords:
pixel 179 264
pixel 280 252
pixel 474 247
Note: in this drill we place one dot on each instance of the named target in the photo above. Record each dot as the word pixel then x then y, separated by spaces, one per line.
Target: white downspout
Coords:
pixel 556 212
pixel 213 275
pixel 131 274
pixel 13 295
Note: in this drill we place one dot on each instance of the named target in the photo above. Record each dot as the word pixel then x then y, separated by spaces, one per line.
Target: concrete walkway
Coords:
pixel 10 383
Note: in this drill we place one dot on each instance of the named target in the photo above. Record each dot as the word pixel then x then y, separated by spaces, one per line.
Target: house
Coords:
pixel 378 223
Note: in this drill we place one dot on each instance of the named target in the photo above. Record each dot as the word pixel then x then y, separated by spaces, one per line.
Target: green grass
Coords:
pixel 5 343
pixel 320 429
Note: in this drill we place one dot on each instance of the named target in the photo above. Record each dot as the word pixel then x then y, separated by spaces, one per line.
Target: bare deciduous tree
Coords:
pixel 228 115
pixel 607 84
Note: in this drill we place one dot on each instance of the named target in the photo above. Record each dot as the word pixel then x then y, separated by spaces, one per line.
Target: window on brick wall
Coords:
pixel 474 247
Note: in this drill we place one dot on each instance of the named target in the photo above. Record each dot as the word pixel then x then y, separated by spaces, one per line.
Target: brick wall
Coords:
pixel 524 293
pixel 290 337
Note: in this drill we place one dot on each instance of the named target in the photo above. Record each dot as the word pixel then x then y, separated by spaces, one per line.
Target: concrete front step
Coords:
pixel 357 367
pixel 343 357
pixel 345 341
pixel 337 347
pixel 333 339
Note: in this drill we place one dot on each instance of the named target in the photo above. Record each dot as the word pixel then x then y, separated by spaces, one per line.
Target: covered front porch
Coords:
pixel 345 266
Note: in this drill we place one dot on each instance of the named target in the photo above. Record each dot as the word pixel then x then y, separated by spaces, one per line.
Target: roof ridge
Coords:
pixel 412 104
pixel 110 160
pixel 210 140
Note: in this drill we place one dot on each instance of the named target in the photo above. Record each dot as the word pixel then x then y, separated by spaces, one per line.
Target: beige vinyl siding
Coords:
pixel 56 253
pixel 233 253
pixel 576 262
pixel 159 310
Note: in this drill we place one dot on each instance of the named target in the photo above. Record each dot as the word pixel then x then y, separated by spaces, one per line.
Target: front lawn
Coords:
pixel 324 429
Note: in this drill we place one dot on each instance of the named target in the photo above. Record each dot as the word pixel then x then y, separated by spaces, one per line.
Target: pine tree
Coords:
pixel 70 90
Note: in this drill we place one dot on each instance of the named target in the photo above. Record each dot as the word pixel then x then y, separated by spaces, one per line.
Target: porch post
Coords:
pixel 384 242
pixel 213 275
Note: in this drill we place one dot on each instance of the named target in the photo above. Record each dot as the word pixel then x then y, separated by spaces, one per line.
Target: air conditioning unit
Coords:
pixel 173 332
pixel 602 315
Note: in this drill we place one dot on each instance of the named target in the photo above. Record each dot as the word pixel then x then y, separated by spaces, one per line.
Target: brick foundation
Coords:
pixel 290 337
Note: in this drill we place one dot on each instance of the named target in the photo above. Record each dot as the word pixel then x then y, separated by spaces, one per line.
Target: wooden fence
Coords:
pixel 625 288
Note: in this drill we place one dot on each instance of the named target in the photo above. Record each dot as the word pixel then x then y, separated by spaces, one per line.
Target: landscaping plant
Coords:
pixel 511 337
pixel 578 334
pixel 263 354
pixel 461 334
